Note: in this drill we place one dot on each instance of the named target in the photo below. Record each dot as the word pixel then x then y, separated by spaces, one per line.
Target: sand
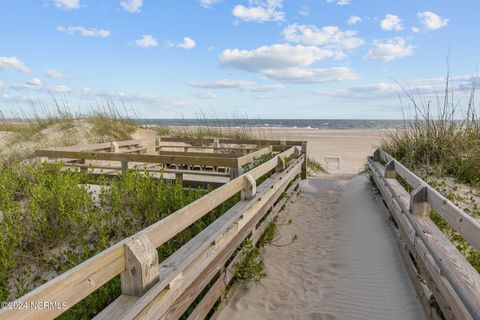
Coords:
pixel 344 265
pixel 351 146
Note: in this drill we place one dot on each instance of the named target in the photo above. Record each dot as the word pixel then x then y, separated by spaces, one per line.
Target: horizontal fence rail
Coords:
pixel 454 283
pixel 163 289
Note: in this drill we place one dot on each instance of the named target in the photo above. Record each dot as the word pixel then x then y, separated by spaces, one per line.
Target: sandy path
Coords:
pixel 344 265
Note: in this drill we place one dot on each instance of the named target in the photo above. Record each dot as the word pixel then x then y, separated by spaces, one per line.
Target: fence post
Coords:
pixel 216 142
pixel 124 167
pixel 179 177
pixel 296 153
pixel 390 170
pixel 114 147
pixel 305 161
pixel 377 155
pixel 418 201
pixel 280 165
pixel 141 262
pixel 235 171
pixel 250 189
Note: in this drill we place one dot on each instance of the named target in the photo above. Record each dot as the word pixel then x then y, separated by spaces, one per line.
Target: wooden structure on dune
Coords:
pixel 200 270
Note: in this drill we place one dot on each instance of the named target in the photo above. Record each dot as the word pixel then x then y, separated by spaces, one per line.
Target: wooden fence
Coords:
pixel 228 160
pixel 437 269
pixel 164 290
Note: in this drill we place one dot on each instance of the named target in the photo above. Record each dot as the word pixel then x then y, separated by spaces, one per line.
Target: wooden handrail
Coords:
pixel 453 281
pixel 465 224
pixel 77 283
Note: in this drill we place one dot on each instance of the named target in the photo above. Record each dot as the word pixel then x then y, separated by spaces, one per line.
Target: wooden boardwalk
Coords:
pixel 344 265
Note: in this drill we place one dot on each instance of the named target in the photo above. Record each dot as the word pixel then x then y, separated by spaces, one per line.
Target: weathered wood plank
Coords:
pixel 71 286
pixel 159 299
pixel 252 156
pixel 145 157
pixel 467 226
pixel 465 275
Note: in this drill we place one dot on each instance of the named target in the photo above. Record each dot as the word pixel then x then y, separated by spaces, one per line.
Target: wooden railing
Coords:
pixel 434 264
pixel 159 290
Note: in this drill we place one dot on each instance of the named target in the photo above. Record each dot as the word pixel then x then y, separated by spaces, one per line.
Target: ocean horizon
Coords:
pixel 282 123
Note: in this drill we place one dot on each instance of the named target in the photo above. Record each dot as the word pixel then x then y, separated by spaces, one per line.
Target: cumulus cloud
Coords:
pixel 187 44
pixel 277 56
pixel 13 63
pixel 354 20
pixel 329 36
pixel 132 6
pixel 339 2
pixel 85 32
pixel 431 21
pixel 209 3
pixel 67 4
pixel 286 62
pixel 391 22
pixel 260 11
pixel 54 74
pixel 390 50
pixel 204 95
pixel 146 41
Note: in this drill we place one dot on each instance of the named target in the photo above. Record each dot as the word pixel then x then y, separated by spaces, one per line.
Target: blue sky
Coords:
pixel 259 58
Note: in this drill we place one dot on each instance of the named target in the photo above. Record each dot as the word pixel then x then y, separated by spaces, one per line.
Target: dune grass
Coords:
pixel 443 137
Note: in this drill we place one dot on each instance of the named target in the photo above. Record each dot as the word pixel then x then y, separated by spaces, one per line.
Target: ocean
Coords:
pixel 281 123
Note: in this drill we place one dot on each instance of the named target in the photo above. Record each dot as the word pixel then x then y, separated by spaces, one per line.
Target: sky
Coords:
pixel 325 59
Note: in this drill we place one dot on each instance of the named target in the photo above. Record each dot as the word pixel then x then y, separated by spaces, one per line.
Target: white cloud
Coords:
pixel 287 62
pixel 54 74
pixel 67 4
pixel 312 75
pixel 220 84
pixel 132 6
pixel 431 21
pixel 204 95
pixel 384 90
pixel 187 44
pixel 13 63
pixel 85 32
pixel 260 11
pixel 391 22
pixel 329 36
pixel 339 2
pixel 209 3
pixel 146 41
pixel 354 20
pixel 304 11
pixel 243 85
pixel 415 29
pixel 277 56
pixel 35 82
pixel 390 50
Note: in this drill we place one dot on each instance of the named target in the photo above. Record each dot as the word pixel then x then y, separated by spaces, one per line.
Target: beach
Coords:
pixel 351 146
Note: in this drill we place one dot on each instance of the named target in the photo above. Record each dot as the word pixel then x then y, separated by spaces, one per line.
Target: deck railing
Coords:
pixel 436 268
pixel 165 289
